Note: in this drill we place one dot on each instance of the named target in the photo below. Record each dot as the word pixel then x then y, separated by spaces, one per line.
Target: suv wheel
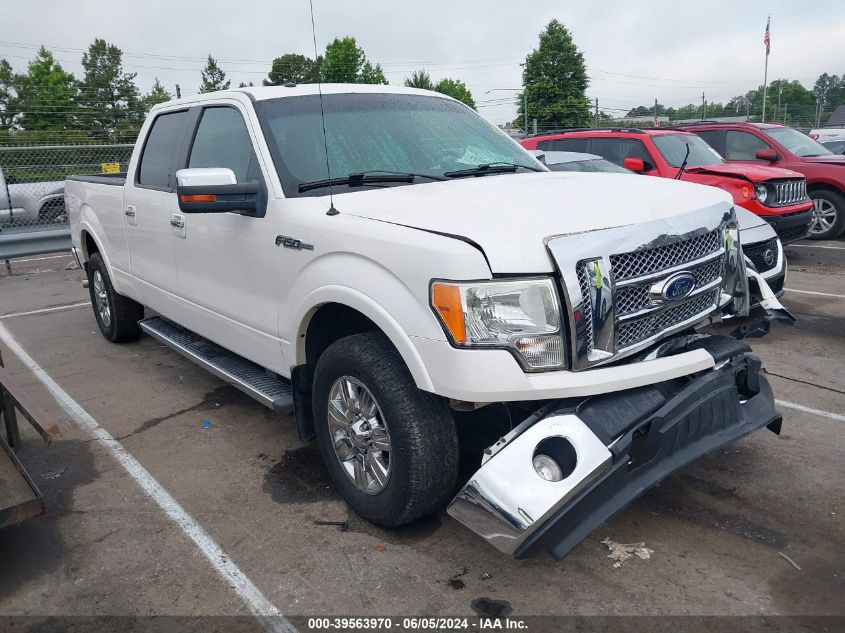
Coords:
pixel 828 215
pixel 391 449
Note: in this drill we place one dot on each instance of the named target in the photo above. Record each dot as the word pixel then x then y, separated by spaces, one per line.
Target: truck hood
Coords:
pixel 752 173
pixel 510 216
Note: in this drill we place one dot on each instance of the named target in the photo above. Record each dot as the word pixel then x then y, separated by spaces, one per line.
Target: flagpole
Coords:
pixel 766 72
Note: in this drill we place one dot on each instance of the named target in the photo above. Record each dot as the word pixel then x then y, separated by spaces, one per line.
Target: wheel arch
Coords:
pixel 342 311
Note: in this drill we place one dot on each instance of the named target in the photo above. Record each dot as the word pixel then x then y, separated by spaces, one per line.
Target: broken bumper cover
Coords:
pixel 668 426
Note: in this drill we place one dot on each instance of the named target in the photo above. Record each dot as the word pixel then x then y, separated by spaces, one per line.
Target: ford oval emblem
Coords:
pixel 677 287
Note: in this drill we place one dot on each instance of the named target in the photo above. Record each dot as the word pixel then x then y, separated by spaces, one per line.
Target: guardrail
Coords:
pixel 33 241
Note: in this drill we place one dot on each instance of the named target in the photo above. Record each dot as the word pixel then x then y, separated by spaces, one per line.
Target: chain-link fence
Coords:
pixel 32 180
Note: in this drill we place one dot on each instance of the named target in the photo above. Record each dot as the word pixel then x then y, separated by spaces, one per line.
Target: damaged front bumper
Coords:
pixel 610 449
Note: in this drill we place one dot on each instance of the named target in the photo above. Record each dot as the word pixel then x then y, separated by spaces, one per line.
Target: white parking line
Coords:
pixel 801 407
pixel 832 248
pixel 818 294
pixel 252 597
pixel 68 306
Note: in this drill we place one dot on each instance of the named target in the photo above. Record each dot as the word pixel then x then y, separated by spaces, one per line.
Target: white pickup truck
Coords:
pixel 410 283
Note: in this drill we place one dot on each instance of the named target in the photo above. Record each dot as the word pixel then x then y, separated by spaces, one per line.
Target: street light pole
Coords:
pixel 524 102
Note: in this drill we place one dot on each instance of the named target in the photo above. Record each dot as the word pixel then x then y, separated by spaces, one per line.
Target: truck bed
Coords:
pixel 118 180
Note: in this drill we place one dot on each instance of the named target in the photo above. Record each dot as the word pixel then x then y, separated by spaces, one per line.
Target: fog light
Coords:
pixel 547 468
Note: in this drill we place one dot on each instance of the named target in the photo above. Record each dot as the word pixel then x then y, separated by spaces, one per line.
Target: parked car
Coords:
pixel 31 202
pixel 577 161
pixel 776 145
pixel 837 147
pixel 418 269
pixel 777 195
pixel 827 134
pixel 760 243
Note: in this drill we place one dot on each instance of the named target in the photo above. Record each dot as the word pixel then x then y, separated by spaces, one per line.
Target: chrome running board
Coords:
pixel 268 388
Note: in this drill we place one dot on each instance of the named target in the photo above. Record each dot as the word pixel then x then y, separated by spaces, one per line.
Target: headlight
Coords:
pixel 522 316
pixel 762 192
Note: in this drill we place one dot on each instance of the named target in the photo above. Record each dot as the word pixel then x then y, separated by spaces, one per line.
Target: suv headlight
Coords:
pixel 762 192
pixel 522 316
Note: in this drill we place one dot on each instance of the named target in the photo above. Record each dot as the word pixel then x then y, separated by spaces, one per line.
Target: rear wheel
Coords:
pixel 391 449
pixel 117 316
pixel 828 215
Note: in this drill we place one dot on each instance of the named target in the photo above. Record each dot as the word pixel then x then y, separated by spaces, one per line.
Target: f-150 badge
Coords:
pixel 292 242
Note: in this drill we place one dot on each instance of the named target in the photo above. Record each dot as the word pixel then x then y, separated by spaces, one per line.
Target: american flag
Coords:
pixel 766 39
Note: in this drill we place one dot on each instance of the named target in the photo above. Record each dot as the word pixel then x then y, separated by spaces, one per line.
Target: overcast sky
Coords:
pixel 635 52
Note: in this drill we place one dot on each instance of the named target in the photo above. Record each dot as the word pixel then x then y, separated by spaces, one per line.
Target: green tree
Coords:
pixel 345 62
pixel 109 100
pixel 47 95
pixel 8 95
pixel 419 79
pixel 555 80
pixel 456 89
pixel 292 68
pixel 213 77
pixel 157 94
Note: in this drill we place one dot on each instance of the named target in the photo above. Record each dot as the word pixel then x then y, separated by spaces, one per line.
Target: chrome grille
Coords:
pixel 652 260
pixel 790 192
pixel 756 253
pixel 587 307
pixel 630 299
pixel 635 331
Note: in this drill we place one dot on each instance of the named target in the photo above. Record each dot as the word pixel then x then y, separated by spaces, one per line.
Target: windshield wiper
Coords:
pixel 488 168
pixel 683 164
pixel 364 178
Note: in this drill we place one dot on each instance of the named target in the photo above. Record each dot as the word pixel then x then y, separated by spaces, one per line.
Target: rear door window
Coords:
pixel 564 145
pixel 616 150
pixel 158 160
pixel 222 140
pixel 742 145
pixel 714 138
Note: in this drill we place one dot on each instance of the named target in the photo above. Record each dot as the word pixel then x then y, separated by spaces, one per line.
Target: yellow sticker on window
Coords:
pixel 110 168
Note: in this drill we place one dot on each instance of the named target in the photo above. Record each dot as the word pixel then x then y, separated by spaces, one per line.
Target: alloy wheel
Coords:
pixel 359 435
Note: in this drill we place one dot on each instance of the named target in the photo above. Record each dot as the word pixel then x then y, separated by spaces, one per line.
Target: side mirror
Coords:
pixel 634 164
pixel 215 190
pixel 767 154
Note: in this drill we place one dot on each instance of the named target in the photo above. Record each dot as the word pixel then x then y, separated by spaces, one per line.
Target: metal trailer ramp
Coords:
pixel 268 388
pixel 19 496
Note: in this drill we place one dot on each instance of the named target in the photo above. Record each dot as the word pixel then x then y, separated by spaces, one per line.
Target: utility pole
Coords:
pixel 780 92
pixel 703 108
pixel 597 111
pixel 178 92
pixel 525 98
pixel 655 113
pixel 785 110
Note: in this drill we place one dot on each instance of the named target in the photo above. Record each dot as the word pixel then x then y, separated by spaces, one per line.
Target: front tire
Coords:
pixel 391 449
pixel 117 316
pixel 828 215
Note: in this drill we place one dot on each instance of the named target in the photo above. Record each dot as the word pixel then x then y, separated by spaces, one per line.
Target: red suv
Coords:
pixel 781 146
pixel 777 195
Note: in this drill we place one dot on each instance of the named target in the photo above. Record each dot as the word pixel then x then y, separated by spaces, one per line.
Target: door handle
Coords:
pixel 130 212
pixel 177 222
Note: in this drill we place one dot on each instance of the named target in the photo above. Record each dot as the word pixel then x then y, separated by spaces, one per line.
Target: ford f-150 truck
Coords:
pixel 393 270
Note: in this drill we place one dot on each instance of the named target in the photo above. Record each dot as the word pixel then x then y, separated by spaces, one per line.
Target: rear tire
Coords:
pixel 828 215
pixel 117 316
pixel 412 468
